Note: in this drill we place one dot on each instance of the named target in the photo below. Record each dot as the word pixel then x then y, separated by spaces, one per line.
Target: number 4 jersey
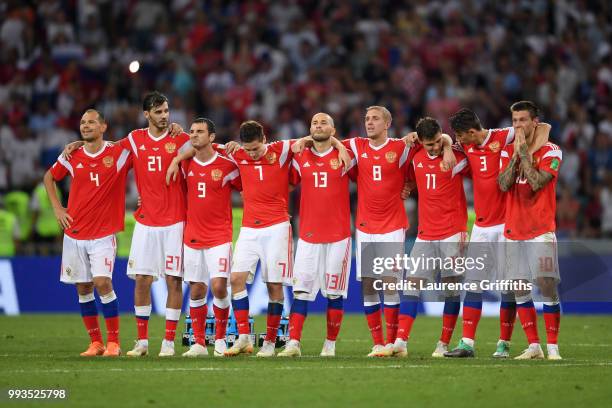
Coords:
pixel 162 204
pixel 97 193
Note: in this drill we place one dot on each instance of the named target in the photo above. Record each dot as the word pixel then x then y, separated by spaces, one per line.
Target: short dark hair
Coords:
pixel 251 131
pixel 153 100
pixel 528 106
pixel 209 123
pixel 100 116
pixel 464 120
pixel 427 128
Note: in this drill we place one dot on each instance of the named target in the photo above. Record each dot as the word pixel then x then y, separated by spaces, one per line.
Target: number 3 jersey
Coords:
pixel 489 200
pixel 325 212
pixel 162 204
pixel 97 194
pixel 209 206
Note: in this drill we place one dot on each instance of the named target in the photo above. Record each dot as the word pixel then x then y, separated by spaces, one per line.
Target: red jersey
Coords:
pixel 442 204
pixel 265 184
pixel 528 213
pixel 209 206
pixel 325 211
pixel 97 194
pixel 489 200
pixel 162 205
pixel 380 178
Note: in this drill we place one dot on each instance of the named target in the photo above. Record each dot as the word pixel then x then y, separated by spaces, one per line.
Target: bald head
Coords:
pixel 322 127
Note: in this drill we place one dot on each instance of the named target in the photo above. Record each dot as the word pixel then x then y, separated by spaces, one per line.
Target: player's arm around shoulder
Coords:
pixel 541 136
pixel 536 177
pixel 508 164
pixel 449 160
pixel 173 169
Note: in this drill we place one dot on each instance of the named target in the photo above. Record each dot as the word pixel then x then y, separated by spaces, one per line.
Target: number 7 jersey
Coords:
pixel 265 184
pixel 97 194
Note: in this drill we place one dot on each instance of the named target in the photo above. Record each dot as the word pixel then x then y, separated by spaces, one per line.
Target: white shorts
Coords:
pixel 435 257
pixel 272 246
pixel 201 265
pixel 324 267
pixel 533 258
pixel 487 245
pixel 156 251
pixel 84 259
pixel 366 254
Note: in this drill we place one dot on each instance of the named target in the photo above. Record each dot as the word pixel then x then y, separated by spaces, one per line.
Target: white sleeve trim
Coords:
pixel 404 156
pixel 296 166
pixel 231 176
pixel 122 159
pixel 505 154
pixel 553 153
pixel 459 167
pixel 61 160
pixel 353 145
pixel 510 136
pixel 133 144
pixel 185 146
pixel 284 152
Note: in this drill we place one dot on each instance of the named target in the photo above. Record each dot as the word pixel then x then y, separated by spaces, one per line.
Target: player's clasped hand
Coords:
pixel 63 218
pixel 175 129
pixel 231 147
pixel 449 160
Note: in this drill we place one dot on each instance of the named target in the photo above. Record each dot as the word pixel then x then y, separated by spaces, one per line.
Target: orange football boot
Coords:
pixel 112 350
pixel 95 349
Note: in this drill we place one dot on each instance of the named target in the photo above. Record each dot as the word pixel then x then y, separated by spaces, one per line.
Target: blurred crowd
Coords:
pixel 281 61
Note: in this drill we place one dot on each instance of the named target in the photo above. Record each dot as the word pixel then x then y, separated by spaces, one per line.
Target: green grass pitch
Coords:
pixel 41 351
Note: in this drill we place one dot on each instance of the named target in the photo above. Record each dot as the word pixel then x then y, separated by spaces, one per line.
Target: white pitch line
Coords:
pixel 259 368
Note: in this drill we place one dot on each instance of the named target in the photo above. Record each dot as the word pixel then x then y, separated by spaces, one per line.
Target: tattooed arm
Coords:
pixel 536 178
pixel 506 178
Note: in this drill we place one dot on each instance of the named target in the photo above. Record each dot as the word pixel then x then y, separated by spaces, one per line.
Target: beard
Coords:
pixel 321 137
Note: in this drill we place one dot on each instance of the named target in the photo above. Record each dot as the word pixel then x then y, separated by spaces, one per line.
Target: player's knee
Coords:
pixel 103 285
pixel 548 287
pixel 367 286
pixel 237 281
pixel 522 295
pixel 275 292
pixel 174 283
pixel 85 288
pixel 143 282
pixel 197 290
pixel 218 288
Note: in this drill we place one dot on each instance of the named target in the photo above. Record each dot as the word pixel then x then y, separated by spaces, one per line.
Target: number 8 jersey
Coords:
pixel 381 177
pixel 97 194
